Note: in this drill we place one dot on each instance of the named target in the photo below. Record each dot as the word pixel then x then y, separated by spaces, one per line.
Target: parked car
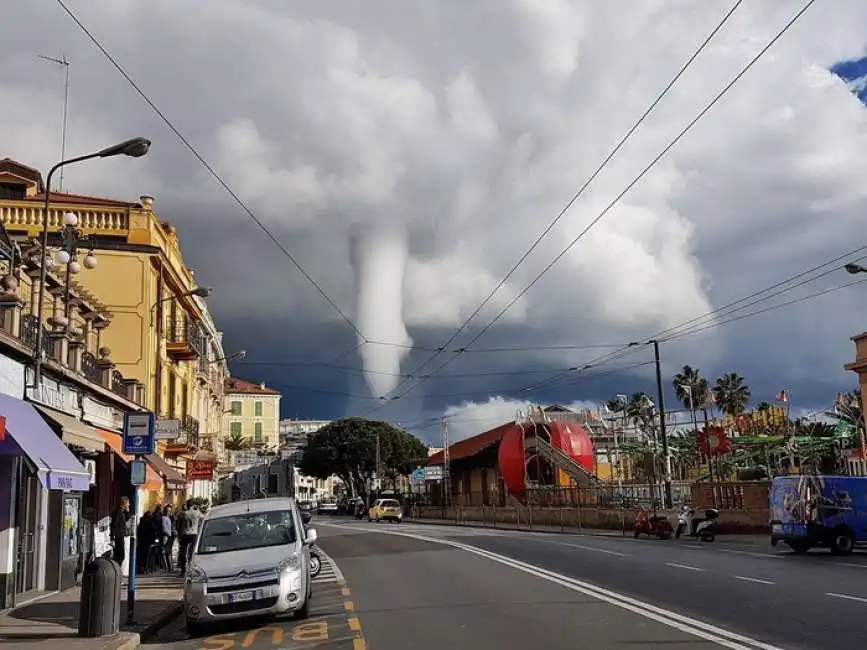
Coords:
pixel 327 508
pixel 252 558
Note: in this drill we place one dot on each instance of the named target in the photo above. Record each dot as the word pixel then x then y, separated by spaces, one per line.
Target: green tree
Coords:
pixel 691 388
pixel 732 394
pixel 763 407
pixel 347 448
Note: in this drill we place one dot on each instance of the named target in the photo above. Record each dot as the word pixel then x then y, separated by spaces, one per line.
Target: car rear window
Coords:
pixel 390 503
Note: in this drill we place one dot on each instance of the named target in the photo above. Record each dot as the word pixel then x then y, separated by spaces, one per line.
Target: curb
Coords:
pixel 568 531
pixel 148 630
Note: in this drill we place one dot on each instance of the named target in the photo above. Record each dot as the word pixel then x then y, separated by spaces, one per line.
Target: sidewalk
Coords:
pixel 739 540
pixel 52 622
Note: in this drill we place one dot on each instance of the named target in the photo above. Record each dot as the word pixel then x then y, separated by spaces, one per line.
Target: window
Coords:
pixel 236 408
pixel 71 526
pixel 236 429
pixel 252 530
pixel 257 409
pixel 257 431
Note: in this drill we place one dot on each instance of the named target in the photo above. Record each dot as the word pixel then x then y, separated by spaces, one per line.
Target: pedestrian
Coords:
pixel 145 537
pixel 169 533
pixel 119 530
pixel 188 531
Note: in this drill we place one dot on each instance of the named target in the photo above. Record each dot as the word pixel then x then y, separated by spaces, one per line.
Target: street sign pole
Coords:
pixel 139 439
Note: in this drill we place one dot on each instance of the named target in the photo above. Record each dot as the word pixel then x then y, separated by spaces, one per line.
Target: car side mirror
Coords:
pixel 311 536
pixel 306 517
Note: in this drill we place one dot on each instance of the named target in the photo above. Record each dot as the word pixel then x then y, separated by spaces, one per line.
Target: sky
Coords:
pixel 407 155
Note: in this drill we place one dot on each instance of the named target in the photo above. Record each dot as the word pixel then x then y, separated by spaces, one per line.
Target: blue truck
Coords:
pixel 819 510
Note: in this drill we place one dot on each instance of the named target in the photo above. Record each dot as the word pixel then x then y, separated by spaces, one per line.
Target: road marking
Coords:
pixel 313 631
pixel 775 556
pixel 277 634
pixel 683 566
pixel 354 624
pixel 694 627
pixel 759 580
pixel 345 591
pixel 349 606
pixel 846 597
pixel 358 643
pixel 583 547
pixel 857 566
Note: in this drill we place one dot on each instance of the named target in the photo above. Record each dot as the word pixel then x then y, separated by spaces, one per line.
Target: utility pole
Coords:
pixel 447 473
pixel 378 459
pixel 63 61
pixel 662 432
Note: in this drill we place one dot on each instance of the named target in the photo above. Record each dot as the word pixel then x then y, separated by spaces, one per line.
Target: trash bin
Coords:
pixel 99 611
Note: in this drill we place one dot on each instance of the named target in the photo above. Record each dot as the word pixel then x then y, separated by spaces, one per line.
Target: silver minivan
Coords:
pixel 251 558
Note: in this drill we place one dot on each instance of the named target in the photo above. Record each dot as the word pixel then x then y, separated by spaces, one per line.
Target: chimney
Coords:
pixel 147 201
pixel 262 385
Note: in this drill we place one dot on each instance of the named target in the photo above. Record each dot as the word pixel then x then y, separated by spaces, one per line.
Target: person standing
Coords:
pixel 119 530
pixel 188 530
pixel 169 534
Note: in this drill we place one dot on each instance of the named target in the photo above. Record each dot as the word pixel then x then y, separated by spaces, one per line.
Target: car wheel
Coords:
pixel 194 629
pixel 315 565
pixel 842 542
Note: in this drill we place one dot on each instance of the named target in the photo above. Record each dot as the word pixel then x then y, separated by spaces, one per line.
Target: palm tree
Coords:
pixel 615 405
pixel 731 393
pixel 691 388
pixel 763 407
pixel 236 441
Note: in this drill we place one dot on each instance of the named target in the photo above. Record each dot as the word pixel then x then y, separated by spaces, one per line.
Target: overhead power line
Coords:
pixel 626 190
pixel 213 172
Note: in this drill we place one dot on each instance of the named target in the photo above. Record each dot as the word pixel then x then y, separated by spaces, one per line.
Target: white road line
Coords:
pixel 759 580
pixel 583 547
pixel 846 597
pixel 683 566
pixel 330 572
pixel 775 556
pixel 694 627
pixel 856 566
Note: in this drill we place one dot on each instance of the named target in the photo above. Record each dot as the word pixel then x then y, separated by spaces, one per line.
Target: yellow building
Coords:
pixel 162 334
pixel 252 412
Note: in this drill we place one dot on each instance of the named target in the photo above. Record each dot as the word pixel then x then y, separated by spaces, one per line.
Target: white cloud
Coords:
pixel 472 128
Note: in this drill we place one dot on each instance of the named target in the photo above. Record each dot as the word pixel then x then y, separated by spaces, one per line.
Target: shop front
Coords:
pixel 175 484
pixel 40 504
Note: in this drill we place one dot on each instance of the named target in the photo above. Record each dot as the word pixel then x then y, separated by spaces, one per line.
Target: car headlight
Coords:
pixel 196 575
pixel 291 563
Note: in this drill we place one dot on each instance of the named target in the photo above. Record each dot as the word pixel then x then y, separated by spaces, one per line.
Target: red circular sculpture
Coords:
pixel 514 455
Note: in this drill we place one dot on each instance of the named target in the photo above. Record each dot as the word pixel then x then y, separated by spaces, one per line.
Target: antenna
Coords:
pixel 65 63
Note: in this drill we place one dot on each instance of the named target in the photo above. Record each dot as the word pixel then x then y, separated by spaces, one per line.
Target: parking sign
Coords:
pixel 138 433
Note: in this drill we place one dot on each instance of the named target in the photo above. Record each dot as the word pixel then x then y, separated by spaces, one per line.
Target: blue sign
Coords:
pixel 138 472
pixel 139 429
pixel 418 474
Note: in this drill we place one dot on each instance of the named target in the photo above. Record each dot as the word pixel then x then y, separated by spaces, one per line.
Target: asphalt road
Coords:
pixel 766 594
pixel 433 587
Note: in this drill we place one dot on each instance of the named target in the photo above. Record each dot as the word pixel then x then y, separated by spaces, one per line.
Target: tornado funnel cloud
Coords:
pixel 379 256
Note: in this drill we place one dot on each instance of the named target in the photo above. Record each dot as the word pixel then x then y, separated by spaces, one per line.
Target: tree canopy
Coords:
pixel 347 448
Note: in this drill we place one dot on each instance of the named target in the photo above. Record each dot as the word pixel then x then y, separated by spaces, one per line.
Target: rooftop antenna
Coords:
pixel 63 61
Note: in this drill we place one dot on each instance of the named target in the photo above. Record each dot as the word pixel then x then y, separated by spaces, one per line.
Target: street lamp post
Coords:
pixel 134 148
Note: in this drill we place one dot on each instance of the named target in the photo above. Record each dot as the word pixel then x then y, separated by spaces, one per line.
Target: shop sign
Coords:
pixel 56 396
pixel 200 470
pixel 101 415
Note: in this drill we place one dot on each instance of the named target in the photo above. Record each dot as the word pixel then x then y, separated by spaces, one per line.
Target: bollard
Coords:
pixel 99 611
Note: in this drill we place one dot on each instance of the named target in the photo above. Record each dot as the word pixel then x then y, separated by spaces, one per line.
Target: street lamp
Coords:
pixel 854 269
pixel 134 148
pixel 201 292
pixel 240 354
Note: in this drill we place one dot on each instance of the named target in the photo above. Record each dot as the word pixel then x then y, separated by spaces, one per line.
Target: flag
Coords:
pixel 711 397
pixel 783 396
pixel 686 388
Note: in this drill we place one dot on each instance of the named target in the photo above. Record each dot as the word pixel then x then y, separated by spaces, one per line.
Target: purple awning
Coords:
pixel 57 468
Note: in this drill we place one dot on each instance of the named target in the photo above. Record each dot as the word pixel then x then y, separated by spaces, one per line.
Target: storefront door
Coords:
pixel 27 523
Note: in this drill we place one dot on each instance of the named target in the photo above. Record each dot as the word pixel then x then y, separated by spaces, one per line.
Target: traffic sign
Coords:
pixel 418 475
pixel 138 472
pixel 139 428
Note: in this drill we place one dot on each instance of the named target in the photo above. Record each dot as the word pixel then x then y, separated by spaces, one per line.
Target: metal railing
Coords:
pixel 181 330
pixel 189 432
pixel 90 368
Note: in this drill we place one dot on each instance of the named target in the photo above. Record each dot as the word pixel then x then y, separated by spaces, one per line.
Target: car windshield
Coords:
pixel 246 531
pixel 390 503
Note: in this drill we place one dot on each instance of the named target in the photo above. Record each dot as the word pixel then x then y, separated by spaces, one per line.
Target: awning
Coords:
pixel 56 467
pixel 74 432
pixel 174 481
pixel 114 440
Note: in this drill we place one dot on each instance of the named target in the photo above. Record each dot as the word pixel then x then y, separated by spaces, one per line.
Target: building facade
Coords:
pixel 251 413
pixel 162 336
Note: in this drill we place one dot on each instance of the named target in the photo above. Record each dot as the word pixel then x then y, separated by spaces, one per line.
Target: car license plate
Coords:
pixel 241 596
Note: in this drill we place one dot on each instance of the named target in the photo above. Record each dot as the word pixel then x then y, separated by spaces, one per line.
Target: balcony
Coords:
pixel 188 441
pixel 185 340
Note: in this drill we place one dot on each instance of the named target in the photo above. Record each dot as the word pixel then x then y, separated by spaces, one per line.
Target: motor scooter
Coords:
pixel 651 525
pixel 691 525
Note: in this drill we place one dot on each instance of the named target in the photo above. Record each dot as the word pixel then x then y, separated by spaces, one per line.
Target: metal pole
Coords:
pixel 130 583
pixel 447 475
pixel 662 432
